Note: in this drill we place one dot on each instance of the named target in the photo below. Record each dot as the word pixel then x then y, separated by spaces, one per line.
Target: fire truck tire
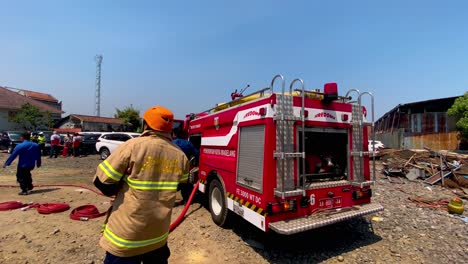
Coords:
pixel 217 203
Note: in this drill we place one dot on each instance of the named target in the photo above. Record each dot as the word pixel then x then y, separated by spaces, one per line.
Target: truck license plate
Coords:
pixel 326 203
pixel 330 202
pixel 238 209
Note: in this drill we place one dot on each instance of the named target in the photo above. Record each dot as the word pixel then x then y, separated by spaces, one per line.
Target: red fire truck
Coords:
pixel 288 161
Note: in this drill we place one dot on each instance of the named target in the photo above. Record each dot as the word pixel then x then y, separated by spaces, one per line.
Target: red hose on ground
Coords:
pixel 50 208
pixel 85 212
pixel 59 185
pixel 11 205
pixel 184 211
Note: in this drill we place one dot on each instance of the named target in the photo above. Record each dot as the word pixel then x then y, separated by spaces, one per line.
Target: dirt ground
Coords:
pixel 402 233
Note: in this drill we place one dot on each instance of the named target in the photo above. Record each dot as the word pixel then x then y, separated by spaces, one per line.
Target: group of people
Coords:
pixel 144 174
pixel 71 145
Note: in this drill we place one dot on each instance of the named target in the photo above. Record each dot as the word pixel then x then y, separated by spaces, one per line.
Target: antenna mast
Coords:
pixel 98 59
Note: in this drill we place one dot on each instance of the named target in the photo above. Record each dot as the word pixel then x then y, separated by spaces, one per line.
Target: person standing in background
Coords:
pixel 54 144
pixel 77 139
pixel 67 145
pixel 41 142
pixel 29 156
pixel 191 153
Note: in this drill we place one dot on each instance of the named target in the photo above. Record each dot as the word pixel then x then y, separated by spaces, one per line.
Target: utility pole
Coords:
pixel 97 110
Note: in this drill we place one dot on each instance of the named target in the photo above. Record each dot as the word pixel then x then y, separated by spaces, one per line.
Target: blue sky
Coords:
pixel 190 55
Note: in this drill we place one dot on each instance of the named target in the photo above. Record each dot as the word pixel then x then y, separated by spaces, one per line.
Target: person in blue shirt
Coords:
pixel 29 157
pixel 191 152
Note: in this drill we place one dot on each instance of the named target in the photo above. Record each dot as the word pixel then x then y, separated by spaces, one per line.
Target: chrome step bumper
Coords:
pixel 293 226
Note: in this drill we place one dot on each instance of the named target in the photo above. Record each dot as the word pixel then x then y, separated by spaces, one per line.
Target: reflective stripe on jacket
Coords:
pixel 148 168
pixel 40 139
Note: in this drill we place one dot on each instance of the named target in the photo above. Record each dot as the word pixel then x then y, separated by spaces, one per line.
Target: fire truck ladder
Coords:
pixel 285 153
pixel 358 123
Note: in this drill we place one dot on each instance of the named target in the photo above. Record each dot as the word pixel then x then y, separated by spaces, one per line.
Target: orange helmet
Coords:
pixel 159 118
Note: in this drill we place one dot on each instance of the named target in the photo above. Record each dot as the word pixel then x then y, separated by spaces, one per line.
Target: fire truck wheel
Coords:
pixel 217 202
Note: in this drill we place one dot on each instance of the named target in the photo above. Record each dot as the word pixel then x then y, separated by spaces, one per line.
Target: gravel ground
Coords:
pixel 403 232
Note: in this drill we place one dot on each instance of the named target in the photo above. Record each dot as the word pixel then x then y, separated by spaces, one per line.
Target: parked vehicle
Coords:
pixel 108 142
pixel 378 145
pixel 285 161
pixel 88 146
pixel 9 140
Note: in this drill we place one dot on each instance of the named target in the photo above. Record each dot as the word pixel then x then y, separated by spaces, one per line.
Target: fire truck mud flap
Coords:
pixel 289 227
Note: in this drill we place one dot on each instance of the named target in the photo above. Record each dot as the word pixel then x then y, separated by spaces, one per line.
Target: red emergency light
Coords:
pixel 330 92
pixel 344 117
pixel 262 111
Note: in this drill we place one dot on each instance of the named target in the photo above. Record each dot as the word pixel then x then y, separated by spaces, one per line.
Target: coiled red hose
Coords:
pixel 85 212
pixel 50 208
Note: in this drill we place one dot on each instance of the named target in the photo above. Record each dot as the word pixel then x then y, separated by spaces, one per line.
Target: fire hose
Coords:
pixel 84 212
pixel 58 185
pixel 11 205
pixel 184 211
pixel 49 208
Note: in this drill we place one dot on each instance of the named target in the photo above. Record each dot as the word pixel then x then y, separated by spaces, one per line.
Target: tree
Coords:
pixel 459 110
pixel 30 118
pixel 129 115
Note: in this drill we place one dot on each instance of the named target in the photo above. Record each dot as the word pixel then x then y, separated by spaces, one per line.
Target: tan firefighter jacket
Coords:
pixel 148 169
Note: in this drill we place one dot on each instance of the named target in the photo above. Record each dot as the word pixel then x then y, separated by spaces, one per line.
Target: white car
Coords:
pixel 108 142
pixel 378 145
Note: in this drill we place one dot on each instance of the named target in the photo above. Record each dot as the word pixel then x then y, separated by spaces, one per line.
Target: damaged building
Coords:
pixel 418 125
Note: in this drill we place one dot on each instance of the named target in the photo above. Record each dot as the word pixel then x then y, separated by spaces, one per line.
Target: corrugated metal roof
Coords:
pixel 412 104
pixel 13 101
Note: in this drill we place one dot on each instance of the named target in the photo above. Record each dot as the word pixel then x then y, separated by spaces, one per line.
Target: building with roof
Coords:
pixel 419 124
pixel 43 98
pixel 84 123
pixel 11 102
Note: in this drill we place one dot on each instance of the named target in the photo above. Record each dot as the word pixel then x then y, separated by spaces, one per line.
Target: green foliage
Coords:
pixel 459 110
pixel 129 115
pixel 30 118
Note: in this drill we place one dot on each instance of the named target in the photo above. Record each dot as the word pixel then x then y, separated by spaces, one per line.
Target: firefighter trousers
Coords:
pixel 158 256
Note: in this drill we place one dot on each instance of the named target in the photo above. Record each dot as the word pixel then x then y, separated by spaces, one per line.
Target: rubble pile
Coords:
pixel 447 168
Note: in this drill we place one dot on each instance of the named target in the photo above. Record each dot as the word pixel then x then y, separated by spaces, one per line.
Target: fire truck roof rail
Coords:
pixel 348 98
pixel 273 82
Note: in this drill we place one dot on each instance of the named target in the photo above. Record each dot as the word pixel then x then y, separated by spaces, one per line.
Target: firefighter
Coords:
pixel 191 153
pixel 143 173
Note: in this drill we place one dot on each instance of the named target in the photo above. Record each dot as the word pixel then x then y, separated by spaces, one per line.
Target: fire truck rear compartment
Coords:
pixel 326 155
